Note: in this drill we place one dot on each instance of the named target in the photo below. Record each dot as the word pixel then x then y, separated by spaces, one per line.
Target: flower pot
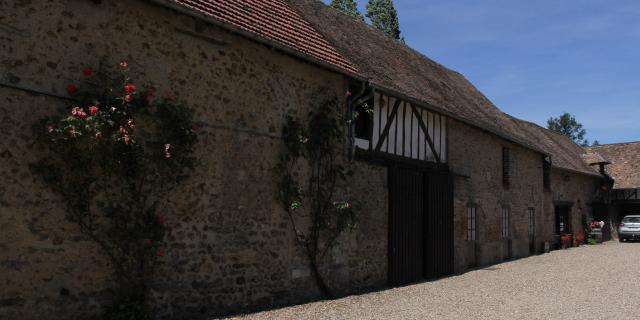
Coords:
pixel 566 241
pixel 596 233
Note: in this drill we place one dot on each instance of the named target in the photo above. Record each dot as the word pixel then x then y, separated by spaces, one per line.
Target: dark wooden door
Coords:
pixel 438 222
pixel 406 202
pixel 563 219
pixel 420 225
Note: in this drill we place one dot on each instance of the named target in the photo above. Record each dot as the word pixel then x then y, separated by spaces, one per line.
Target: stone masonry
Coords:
pixel 230 247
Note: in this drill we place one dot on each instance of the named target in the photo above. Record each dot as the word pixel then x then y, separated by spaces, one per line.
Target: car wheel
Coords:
pixel 621 239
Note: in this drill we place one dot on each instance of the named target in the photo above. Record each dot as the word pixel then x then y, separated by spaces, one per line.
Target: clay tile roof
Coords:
pixel 392 66
pixel 592 158
pixel 273 20
pixel 625 163
pixel 328 35
pixel 565 153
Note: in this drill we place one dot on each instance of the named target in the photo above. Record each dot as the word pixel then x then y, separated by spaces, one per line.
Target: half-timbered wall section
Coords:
pixel 625 195
pixel 403 129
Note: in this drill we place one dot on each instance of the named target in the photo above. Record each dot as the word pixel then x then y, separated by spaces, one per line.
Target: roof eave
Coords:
pixel 594 174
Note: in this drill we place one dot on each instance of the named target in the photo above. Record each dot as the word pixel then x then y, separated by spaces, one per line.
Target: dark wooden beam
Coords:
pixel 385 132
pixel 371 115
pixel 388 159
pixel 426 133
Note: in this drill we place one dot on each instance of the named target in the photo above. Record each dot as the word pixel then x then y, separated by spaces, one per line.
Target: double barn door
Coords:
pixel 420 224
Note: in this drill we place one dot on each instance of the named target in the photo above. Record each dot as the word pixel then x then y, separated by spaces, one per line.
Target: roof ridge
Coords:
pixel 615 143
pixel 547 130
pixel 374 29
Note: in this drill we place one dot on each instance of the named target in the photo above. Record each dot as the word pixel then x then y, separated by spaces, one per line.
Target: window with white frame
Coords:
pixel 532 221
pixel 471 223
pixel 505 222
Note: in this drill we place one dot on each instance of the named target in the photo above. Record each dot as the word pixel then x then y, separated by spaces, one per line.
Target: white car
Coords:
pixel 629 228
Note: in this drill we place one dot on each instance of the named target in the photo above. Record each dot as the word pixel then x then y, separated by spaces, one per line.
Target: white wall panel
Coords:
pixel 406 137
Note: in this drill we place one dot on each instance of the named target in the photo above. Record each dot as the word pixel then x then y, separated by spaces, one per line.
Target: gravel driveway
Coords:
pixel 590 282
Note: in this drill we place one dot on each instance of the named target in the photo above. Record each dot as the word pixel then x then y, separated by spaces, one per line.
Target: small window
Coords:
pixel 546 173
pixel 471 223
pixel 363 115
pixel 532 221
pixel 506 166
pixel 505 222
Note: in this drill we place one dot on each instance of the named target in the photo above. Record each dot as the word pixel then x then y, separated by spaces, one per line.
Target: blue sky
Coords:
pixel 537 59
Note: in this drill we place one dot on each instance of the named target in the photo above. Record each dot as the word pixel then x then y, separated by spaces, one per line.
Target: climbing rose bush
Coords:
pixel 115 155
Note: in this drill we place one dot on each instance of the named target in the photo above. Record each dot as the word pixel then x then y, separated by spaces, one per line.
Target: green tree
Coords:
pixel 384 17
pixel 567 125
pixel 350 7
pixel 595 143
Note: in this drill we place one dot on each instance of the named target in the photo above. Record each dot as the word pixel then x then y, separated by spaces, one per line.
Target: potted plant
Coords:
pixel 565 238
pixel 580 238
pixel 596 230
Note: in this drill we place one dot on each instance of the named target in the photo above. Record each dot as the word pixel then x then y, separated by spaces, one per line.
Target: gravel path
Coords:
pixel 590 282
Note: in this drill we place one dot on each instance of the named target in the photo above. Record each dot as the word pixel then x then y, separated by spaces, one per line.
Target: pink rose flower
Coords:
pixel 93 110
pixel 78 112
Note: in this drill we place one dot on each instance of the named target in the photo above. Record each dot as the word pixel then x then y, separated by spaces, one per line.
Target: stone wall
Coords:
pixel 575 190
pixel 230 247
pixel 475 158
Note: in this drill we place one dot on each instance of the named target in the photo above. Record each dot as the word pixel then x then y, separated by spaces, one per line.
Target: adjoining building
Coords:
pixel 622 161
pixel 445 181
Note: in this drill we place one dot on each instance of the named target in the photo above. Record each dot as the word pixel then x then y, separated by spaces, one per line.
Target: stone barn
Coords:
pixel 443 179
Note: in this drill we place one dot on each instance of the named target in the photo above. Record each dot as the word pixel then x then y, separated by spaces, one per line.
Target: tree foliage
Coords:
pixel 567 125
pixel 350 7
pixel 384 17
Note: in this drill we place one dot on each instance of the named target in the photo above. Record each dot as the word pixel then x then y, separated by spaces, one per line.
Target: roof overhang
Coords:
pixel 594 174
